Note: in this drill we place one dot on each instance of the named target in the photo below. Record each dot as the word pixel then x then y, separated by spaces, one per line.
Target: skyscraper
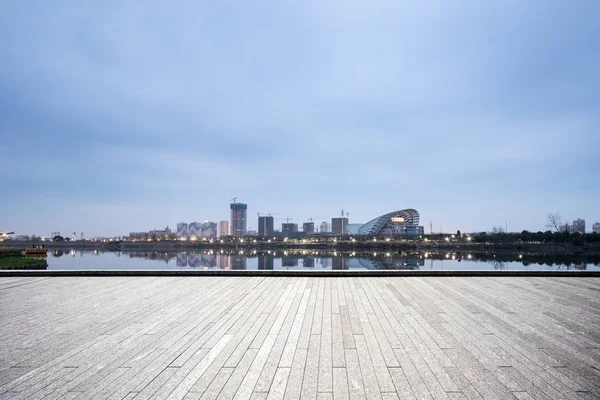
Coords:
pixel 325 227
pixel 265 226
pixel 237 227
pixel 339 226
pixel 308 227
pixel 596 227
pixel 578 226
pixel 289 227
pixel 222 228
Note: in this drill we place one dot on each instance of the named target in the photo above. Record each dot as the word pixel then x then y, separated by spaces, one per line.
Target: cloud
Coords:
pixel 301 109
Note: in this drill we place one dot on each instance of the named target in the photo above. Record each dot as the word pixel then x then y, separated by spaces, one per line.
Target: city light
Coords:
pixel 447 239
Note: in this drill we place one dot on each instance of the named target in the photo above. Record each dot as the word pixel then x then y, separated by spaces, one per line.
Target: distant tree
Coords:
pixel 554 222
pixel 458 233
pixel 497 230
pixel 58 238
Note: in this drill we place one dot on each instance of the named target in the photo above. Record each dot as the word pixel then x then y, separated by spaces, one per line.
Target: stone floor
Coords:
pixel 294 337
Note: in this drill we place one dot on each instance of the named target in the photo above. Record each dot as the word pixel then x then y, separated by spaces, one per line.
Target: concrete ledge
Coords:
pixel 296 273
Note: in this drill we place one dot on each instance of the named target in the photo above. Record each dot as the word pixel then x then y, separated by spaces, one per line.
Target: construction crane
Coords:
pixel 234 199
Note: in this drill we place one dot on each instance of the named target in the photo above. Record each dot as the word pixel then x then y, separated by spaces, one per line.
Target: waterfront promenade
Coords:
pixel 299 337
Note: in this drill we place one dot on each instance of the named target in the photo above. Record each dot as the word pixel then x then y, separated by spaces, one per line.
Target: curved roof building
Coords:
pixel 402 222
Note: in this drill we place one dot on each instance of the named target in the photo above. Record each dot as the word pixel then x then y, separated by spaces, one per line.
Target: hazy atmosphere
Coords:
pixel 127 116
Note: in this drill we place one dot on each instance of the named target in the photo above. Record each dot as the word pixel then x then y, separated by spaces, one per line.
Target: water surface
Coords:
pixel 307 260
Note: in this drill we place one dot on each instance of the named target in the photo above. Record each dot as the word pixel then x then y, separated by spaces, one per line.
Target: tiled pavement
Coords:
pixel 299 337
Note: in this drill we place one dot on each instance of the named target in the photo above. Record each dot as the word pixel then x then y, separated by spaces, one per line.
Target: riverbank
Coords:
pixel 22 263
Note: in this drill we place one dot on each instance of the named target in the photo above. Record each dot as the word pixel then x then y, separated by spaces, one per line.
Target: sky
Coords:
pixel 120 116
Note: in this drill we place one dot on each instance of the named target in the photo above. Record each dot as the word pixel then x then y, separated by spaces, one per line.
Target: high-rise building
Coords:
pixel 237 226
pixel 339 226
pixel 206 229
pixel 596 227
pixel 265 226
pixel 289 227
pixel 222 228
pixel 182 230
pixel 578 226
pixel 325 227
pixel 308 227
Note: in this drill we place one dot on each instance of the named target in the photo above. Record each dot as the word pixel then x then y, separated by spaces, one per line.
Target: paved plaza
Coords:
pixel 299 337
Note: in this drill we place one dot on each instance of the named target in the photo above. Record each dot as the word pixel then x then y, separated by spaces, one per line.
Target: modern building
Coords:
pixel 265 226
pixel 237 226
pixel 578 226
pixel 289 227
pixel 222 228
pixel 206 229
pixel 325 227
pixel 596 227
pixel 402 222
pixel 196 230
pixel 308 227
pixel 352 229
pixel 182 230
pixel 339 226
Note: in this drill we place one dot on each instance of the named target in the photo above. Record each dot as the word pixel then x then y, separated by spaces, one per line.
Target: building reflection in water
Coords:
pixel 265 262
pixel 231 262
pixel 195 260
pixel 289 261
pixel 326 262
pixel 308 262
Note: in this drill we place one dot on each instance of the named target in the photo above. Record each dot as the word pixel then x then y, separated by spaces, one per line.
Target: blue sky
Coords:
pixel 127 116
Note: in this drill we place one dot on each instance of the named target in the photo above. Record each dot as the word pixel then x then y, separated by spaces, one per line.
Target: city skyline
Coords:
pixel 120 117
